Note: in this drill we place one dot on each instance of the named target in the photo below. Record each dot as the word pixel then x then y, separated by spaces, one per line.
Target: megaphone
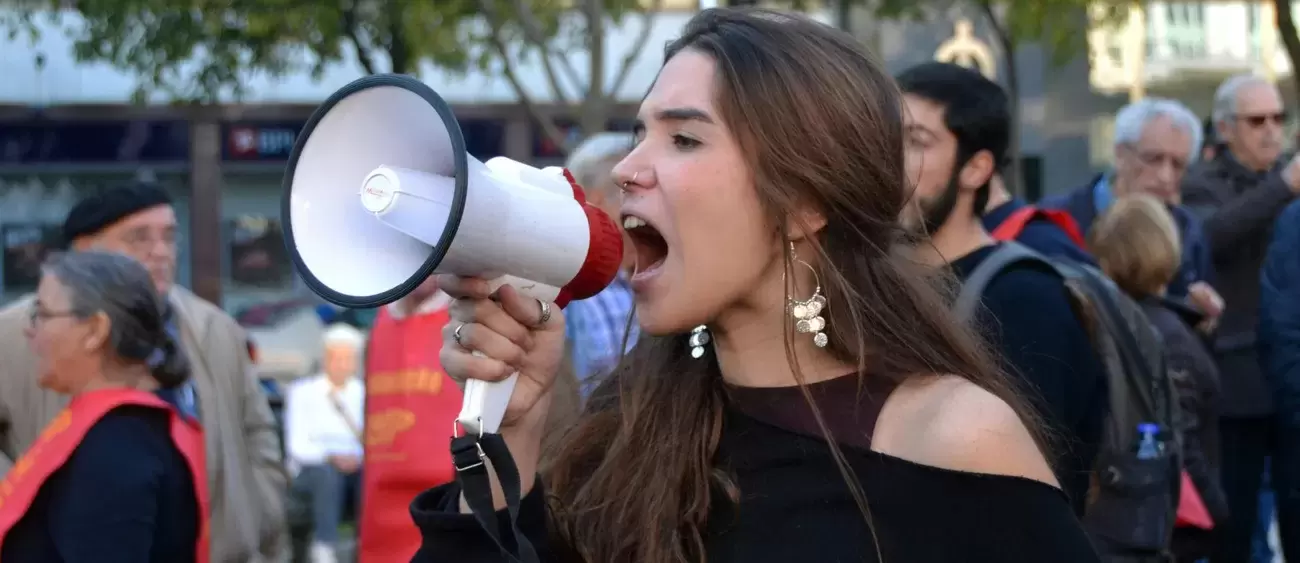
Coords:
pixel 379 194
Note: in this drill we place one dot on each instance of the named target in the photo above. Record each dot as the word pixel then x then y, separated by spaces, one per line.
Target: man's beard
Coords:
pixel 935 212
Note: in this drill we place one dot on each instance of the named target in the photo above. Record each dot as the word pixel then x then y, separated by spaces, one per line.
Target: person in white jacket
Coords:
pixel 323 436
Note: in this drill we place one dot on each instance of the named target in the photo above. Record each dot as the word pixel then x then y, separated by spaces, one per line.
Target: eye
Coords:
pixel 685 143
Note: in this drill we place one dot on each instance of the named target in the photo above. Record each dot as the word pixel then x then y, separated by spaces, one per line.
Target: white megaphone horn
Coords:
pixel 380 194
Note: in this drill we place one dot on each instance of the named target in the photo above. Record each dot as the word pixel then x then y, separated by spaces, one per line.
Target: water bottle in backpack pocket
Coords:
pixel 1133 507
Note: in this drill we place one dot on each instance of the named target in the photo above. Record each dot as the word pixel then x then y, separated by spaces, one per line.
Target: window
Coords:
pixel 257 255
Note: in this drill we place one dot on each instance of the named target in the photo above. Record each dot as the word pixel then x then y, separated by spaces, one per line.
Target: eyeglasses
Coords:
pixel 1156 159
pixel 38 315
pixel 143 241
pixel 1258 120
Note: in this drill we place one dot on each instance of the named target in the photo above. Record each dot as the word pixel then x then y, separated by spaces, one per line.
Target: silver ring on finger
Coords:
pixel 546 312
pixel 455 335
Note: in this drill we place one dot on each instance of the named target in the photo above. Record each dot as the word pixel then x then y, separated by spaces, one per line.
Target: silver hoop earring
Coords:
pixel 807 313
pixel 699 339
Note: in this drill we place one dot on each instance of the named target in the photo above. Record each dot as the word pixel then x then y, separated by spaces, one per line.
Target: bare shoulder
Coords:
pixel 947 421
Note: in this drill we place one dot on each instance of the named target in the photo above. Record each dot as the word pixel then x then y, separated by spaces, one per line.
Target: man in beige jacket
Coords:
pixel 246 476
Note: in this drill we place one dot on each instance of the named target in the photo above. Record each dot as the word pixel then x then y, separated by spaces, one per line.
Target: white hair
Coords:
pixel 1134 118
pixel 594 152
pixel 1225 97
pixel 345 334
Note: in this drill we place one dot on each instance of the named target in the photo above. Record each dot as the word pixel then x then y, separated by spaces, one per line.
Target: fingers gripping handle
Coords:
pixel 486 401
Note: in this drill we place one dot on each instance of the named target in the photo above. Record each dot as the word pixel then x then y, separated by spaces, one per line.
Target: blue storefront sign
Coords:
pixel 42 141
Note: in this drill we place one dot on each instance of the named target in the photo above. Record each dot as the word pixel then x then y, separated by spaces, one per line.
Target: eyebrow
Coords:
pixel 683 114
pixel 917 129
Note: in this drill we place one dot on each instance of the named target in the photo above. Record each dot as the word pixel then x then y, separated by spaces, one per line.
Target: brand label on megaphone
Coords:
pixel 377 193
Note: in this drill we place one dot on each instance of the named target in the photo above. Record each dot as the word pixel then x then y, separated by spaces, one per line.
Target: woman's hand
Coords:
pixel 500 334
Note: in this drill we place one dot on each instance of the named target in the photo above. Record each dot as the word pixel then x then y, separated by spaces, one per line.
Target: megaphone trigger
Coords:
pixel 380 194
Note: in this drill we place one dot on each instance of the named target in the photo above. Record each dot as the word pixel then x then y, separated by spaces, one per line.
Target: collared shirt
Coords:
pixel 322 420
pixel 1102 196
pixel 595 328
pixel 183 397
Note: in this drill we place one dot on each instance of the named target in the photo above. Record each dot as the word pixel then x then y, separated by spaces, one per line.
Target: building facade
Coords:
pixel 67 128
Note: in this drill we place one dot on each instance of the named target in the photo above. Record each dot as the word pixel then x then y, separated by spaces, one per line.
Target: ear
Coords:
pixel 977 171
pixel 100 327
pixel 805 223
pixel 1221 127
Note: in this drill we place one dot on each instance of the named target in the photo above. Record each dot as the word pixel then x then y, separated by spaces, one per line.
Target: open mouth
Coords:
pixel 651 248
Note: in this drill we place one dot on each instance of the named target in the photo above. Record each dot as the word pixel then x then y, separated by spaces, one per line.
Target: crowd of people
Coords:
pixel 837 336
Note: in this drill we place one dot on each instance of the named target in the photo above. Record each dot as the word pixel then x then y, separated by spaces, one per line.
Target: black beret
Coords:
pixel 92 214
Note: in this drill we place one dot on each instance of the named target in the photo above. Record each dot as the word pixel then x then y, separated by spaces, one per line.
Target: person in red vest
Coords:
pixel 411 405
pixel 118 476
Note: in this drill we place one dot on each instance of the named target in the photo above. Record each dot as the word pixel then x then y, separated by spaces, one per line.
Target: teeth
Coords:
pixel 631 222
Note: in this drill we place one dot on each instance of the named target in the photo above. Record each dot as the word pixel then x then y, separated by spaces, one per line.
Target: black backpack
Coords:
pixel 1133 501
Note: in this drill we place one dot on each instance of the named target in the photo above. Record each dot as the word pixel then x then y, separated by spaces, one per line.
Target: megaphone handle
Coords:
pixel 486 401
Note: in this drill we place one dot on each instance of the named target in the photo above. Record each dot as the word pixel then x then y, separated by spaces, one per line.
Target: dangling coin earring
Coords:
pixel 699 338
pixel 807 313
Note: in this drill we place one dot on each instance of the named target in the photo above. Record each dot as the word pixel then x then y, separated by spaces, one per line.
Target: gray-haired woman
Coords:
pixel 112 478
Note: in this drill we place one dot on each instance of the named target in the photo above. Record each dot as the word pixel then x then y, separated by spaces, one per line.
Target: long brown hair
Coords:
pixel 821 125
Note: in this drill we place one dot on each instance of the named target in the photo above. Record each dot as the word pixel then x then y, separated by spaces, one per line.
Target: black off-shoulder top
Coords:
pixel 795 507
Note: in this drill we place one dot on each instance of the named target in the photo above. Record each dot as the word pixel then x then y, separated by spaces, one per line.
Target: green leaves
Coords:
pixel 200 50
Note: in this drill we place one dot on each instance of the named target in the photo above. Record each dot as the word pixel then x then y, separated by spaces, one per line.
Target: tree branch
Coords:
pixel 1003 34
pixel 533 33
pixel 634 52
pixel 1286 29
pixel 399 50
pixel 546 122
pixel 1007 42
pixel 351 30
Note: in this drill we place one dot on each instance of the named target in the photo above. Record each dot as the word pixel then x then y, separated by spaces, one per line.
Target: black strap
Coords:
pixel 1127 345
pixel 972 288
pixel 471 455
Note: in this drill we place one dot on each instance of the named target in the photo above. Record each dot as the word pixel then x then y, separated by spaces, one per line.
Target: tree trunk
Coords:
pixel 1011 175
pixel 593 110
pixel 1286 29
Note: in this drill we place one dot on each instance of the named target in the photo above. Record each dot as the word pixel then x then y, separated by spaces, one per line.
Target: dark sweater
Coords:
pixel 795 506
pixel 1028 318
pixel 126 495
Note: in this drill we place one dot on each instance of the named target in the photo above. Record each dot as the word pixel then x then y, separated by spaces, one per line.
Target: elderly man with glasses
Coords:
pixel 1239 195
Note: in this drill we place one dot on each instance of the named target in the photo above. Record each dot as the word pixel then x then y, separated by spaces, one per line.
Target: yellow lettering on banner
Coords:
pixel 405 382
pixel 56 426
pixel 384 426
pixel 25 463
pixel 21 466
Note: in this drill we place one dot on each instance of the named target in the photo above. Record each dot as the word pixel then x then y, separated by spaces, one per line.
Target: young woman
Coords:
pixel 118 476
pixel 829 408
